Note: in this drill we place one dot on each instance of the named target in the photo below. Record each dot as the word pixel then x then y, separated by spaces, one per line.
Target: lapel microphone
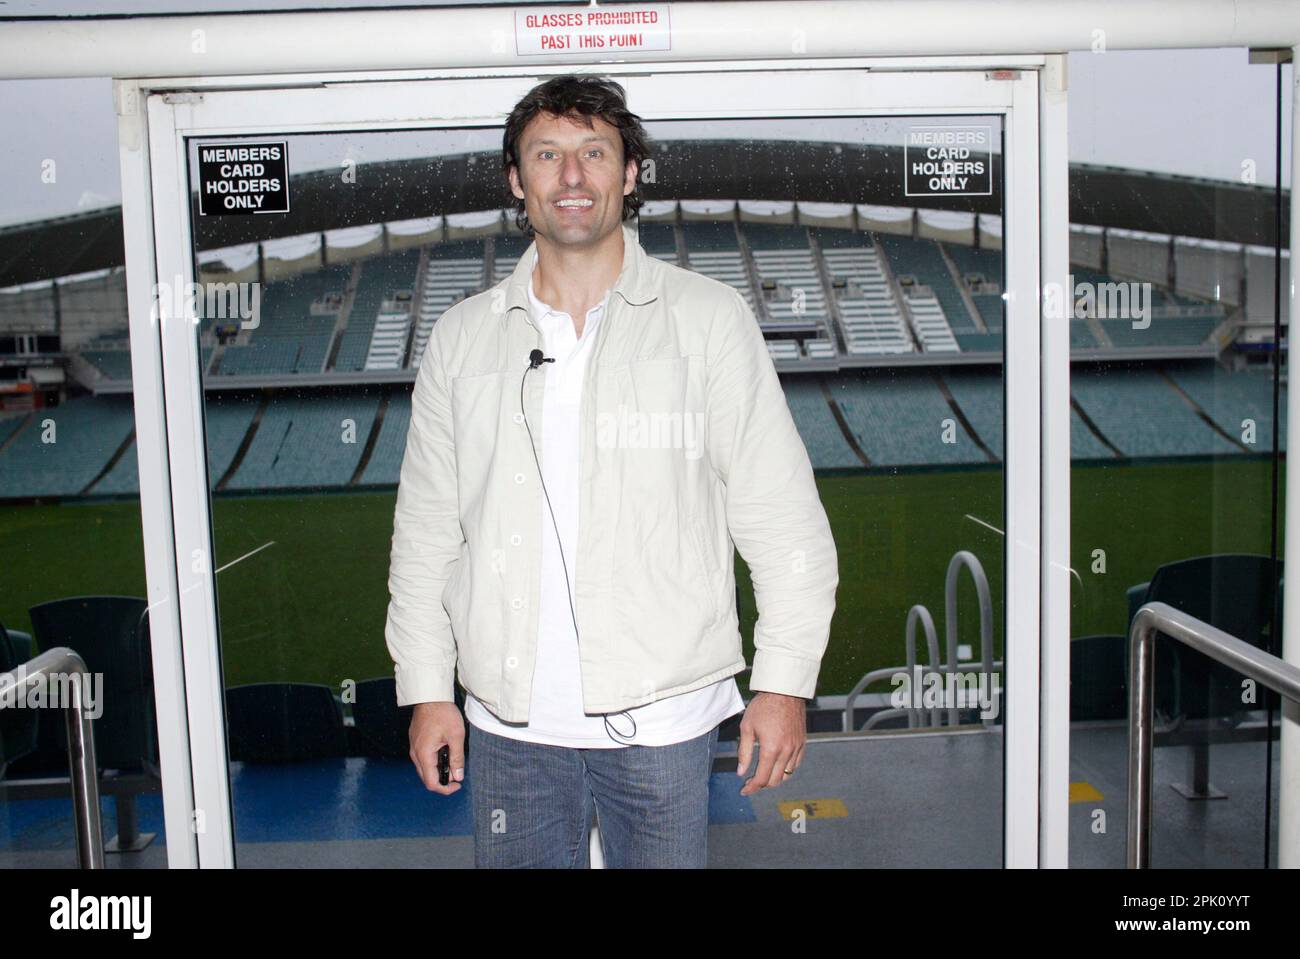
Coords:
pixel 535 359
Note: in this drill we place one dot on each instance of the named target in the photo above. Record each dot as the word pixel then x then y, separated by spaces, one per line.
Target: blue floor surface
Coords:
pixel 328 799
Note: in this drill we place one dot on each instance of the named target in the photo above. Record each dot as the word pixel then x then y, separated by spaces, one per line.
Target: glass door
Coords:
pixel 1181 321
pixel 884 229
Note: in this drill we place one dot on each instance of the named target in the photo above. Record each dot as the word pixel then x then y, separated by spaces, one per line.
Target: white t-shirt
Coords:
pixel 555 712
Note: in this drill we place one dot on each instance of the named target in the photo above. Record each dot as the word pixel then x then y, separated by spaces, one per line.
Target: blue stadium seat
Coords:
pixel 284 723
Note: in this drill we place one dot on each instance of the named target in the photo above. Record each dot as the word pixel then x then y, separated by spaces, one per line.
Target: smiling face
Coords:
pixel 572 178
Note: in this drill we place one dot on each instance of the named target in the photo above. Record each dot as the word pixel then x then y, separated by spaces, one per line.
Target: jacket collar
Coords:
pixel 633 283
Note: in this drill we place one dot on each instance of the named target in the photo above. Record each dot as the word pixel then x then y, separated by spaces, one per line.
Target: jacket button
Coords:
pixel 519 417
pixel 516 603
pixel 516 539
pixel 519 477
pixel 512 662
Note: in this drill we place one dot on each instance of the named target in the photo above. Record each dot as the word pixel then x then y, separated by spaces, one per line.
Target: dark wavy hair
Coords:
pixel 578 96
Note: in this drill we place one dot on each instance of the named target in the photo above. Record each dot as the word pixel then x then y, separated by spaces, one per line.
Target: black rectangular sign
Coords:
pixel 237 179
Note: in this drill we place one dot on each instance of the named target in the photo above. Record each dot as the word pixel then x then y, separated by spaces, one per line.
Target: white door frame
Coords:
pixel 156 117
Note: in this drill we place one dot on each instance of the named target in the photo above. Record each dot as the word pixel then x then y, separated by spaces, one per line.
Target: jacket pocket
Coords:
pixel 666 385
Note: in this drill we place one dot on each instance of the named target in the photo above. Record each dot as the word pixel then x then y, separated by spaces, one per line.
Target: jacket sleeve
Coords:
pixel 774 513
pixel 427 537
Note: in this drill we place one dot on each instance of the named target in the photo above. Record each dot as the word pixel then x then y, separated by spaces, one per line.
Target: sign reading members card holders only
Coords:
pixel 238 179
pixel 948 161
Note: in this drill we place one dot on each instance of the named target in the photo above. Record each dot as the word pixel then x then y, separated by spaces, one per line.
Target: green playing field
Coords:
pixel 310 607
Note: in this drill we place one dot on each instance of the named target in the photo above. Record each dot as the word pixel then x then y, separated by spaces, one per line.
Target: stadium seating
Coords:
pixel 660 240
pixel 1232 399
pixel 971 261
pixel 930 323
pixel 385 464
pixel 982 270
pixel 1098 678
pixel 284 722
pixel 227 421
pixel 1081 337
pixel 1175 319
pixel 827 447
pixel 784 261
pixel 1143 415
pixel 300 442
pixel 1162 331
pixel 383 727
pixel 714 250
pixel 1230 591
pixel 979 394
pixel 62 449
pixel 783 350
pixel 123 479
pixel 1084 444
pixel 820 349
pixel 506 253
pixel 10 424
pixel 454 271
pixel 990 342
pixel 115 364
pixel 799 287
pixel 893 414
pixel 376 339
pixel 923 260
pixel 870 315
pixel 111 635
pixel 288 337
pixel 887 294
pixel 263 356
pixel 17 726
pixel 898 418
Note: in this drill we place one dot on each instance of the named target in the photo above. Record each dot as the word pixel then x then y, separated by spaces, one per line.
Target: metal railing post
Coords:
pixel 83 771
pixel 1236 654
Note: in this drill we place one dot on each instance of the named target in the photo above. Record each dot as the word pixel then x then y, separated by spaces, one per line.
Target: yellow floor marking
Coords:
pixel 1084 792
pixel 814 808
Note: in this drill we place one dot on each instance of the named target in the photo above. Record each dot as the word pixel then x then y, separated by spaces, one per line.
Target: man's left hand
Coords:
pixel 779 723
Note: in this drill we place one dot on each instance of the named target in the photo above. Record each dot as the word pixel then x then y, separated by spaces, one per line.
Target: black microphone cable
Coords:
pixel 535 359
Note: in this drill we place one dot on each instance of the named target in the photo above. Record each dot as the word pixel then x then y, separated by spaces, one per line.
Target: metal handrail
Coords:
pixel 919 613
pixel 84 773
pixel 965 558
pixel 1237 654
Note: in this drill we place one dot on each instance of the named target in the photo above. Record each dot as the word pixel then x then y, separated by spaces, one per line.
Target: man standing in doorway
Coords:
pixel 577 574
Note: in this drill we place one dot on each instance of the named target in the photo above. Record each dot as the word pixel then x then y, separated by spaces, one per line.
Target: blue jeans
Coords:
pixel 532 803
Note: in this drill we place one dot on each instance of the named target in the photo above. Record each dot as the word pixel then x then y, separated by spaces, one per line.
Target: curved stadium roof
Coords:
pixel 700 169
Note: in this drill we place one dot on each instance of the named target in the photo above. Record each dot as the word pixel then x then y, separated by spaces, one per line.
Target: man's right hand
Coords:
pixel 433 726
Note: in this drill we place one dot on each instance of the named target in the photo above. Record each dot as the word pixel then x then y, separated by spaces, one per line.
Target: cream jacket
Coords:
pixel 688 452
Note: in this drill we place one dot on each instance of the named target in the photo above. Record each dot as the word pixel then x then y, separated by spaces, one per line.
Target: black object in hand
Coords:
pixel 444 765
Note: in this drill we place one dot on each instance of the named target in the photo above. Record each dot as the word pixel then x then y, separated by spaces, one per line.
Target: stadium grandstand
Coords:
pixel 878 318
